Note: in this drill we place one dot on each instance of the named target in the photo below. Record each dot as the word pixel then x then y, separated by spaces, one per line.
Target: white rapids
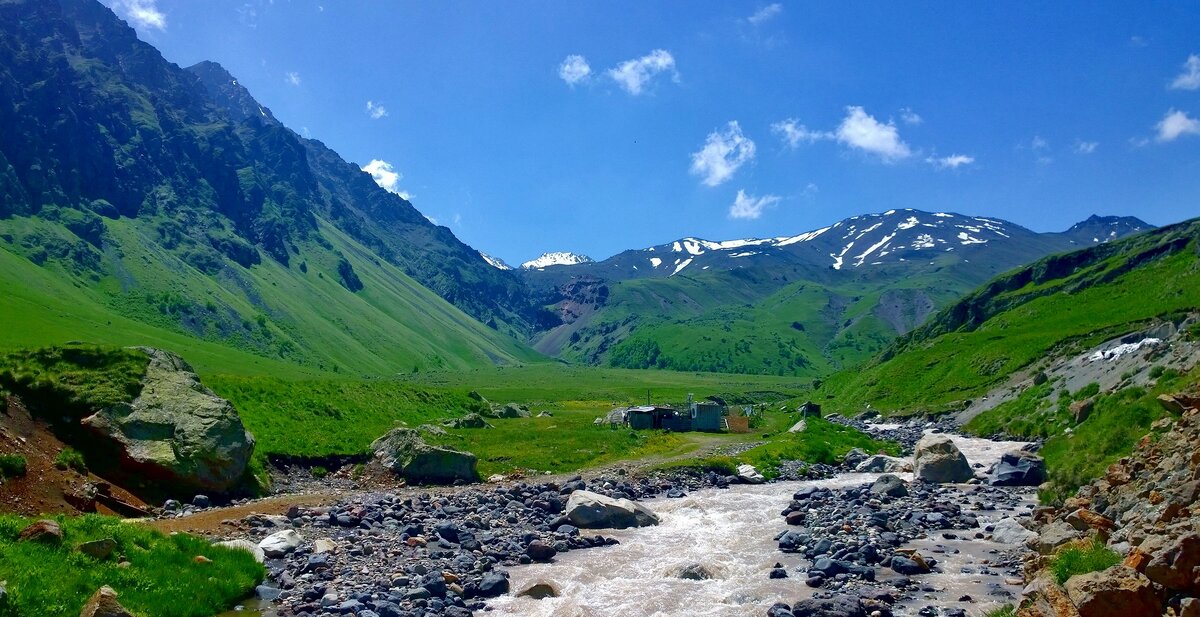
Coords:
pixel 731 534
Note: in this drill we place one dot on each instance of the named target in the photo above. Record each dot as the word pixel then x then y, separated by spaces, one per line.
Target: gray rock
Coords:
pixel 938 460
pixel 854 457
pixel 176 431
pixel 1054 535
pixel 403 452
pixel 245 545
pixel 1010 532
pixel 98 549
pixel 882 463
pixel 1019 468
pixel 280 543
pixel 889 485
pixel 588 510
pixel 747 473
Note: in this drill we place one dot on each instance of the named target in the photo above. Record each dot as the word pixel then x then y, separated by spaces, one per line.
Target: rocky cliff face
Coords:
pixel 1143 508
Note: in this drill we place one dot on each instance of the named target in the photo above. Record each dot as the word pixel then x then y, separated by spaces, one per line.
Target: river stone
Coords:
pixel 854 457
pixel 938 460
pixel 588 510
pixel 280 543
pixel 104 603
pixel 889 485
pixel 747 473
pixel 841 605
pixel 539 591
pixel 694 572
pixel 1019 468
pixel 177 432
pixel 493 584
pixel 1119 591
pixel 245 545
pixel 882 463
pixel 540 552
pixel 1010 532
pixel 403 452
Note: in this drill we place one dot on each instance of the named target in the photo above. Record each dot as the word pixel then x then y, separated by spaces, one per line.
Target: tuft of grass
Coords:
pixel 1076 560
pixel 55 581
pixel 69 458
pixel 1008 610
pixel 318 472
pixel 724 465
pixel 821 442
pixel 78 378
pixel 11 465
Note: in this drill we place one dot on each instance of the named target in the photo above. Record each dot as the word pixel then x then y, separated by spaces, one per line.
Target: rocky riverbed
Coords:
pixel 722 547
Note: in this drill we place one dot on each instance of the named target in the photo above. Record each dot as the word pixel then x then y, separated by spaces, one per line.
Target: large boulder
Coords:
pixel 938 460
pixel 1010 532
pixel 177 431
pixel 1177 565
pixel 889 485
pixel 1119 591
pixel 403 452
pixel 588 510
pixel 1019 468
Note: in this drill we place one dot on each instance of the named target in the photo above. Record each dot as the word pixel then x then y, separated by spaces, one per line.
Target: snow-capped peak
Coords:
pixel 495 262
pixel 561 258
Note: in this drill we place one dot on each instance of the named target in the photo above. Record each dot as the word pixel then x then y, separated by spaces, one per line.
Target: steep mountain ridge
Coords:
pixel 173 198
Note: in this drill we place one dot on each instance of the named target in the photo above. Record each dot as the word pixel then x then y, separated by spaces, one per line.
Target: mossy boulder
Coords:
pixel 404 453
pixel 176 432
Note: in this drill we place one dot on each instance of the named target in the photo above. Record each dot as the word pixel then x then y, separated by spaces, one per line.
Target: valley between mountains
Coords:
pixel 238 376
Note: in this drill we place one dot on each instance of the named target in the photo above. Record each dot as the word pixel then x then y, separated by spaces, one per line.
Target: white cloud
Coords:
pixel 1175 124
pixel 910 117
pixel 574 69
pixel 793 133
pixel 1038 143
pixel 765 14
pixel 954 161
pixel 143 13
pixel 375 110
pixel 1086 147
pixel 386 176
pixel 1138 41
pixel 750 207
pixel 633 75
pixel 723 153
pixel 861 130
pixel 293 78
pixel 1189 79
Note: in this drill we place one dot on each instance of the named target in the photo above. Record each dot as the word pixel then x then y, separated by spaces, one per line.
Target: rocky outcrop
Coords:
pixel 177 432
pixel 938 460
pixel 404 453
pixel 1144 507
pixel 471 420
pixel 589 510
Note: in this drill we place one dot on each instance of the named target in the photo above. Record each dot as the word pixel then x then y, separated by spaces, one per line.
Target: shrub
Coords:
pixel 12 465
pixel 1083 559
pixel 319 472
pixel 1157 371
pixel 70 458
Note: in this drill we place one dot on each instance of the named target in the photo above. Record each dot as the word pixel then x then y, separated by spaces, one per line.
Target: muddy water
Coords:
pixel 731 534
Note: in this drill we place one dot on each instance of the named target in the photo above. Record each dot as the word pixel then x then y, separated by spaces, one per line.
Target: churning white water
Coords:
pixel 730 533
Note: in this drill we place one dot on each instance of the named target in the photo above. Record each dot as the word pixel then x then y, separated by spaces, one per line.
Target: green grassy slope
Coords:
pixel 294 320
pixel 1077 299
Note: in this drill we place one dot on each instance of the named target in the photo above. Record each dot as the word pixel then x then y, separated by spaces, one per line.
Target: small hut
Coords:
pixel 648 416
pixel 706 416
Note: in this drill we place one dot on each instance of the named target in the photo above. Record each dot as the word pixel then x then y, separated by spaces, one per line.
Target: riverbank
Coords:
pixel 459 551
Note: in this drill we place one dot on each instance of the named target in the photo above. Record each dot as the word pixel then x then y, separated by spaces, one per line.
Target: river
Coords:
pixel 731 533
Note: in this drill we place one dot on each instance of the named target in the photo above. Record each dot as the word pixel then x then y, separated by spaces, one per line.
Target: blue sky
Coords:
pixel 594 127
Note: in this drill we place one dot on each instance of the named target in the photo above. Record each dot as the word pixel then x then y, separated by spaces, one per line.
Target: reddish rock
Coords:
pixel 1177 566
pixel 104 603
pixel 1116 592
pixel 44 530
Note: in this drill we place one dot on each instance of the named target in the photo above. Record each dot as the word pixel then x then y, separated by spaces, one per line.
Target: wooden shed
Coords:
pixel 706 416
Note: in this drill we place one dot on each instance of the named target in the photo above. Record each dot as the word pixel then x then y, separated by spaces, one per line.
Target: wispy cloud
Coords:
pixel 1086 147
pixel 1176 124
pixel 376 110
pixel 143 13
pixel 633 75
pixel 765 14
pixel 574 69
pixel 1189 79
pixel 910 117
pixel 750 207
pixel 954 161
pixel 723 153
pixel 862 131
pixel 793 133
pixel 386 177
pixel 292 77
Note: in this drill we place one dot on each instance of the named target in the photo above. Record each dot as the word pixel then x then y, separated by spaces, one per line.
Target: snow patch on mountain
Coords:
pixel 495 262
pixel 560 258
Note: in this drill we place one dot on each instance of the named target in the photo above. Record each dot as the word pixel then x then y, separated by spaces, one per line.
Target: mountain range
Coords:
pixel 143 202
